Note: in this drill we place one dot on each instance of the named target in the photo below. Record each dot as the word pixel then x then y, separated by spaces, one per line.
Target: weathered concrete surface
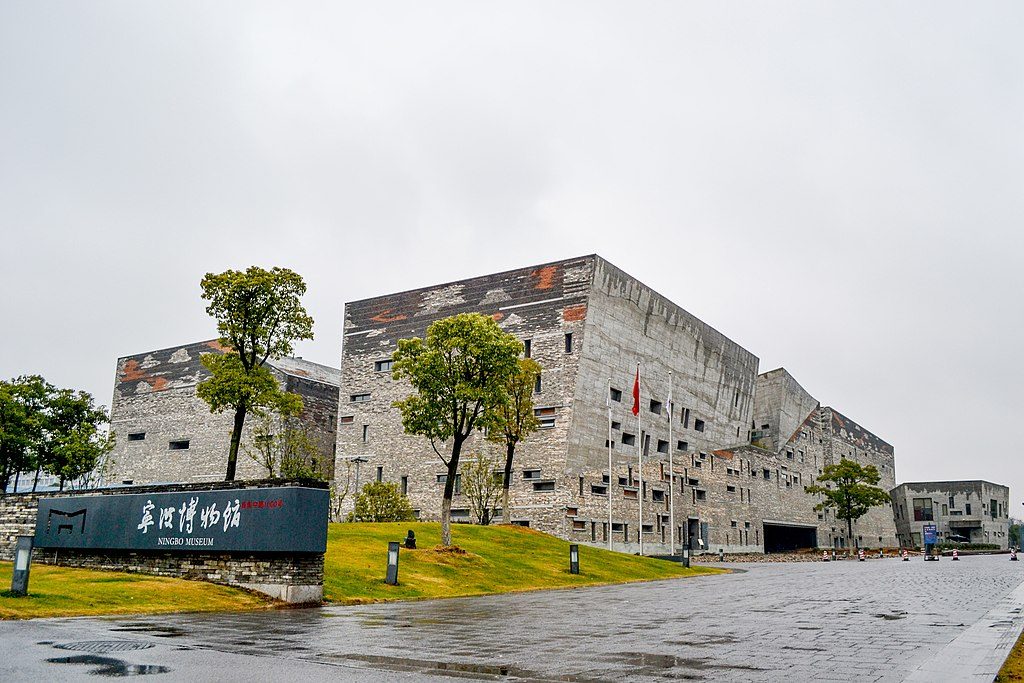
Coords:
pixel 866 621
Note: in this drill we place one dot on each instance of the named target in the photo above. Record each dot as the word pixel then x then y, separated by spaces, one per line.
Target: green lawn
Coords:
pixel 498 559
pixel 67 592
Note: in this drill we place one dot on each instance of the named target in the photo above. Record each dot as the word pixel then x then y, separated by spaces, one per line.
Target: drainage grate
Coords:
pixel 105 646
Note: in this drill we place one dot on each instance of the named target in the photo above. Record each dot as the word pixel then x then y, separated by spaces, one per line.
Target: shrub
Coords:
pixel 381 502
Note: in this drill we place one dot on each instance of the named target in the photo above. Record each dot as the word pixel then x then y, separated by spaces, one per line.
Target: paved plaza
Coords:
pixel 880 620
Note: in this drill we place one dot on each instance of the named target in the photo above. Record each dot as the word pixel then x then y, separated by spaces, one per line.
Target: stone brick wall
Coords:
pixel 155 400
pixel 292 577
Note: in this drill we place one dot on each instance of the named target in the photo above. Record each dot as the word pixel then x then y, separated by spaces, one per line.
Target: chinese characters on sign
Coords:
pixel 209 516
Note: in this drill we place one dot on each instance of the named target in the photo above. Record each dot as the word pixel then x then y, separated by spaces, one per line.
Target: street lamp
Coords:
pixel 574 559
pixel 358 460
pixel 392 577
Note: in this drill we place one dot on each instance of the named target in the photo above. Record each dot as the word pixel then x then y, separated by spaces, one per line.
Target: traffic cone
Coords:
pixel 906 555
pixel 956 555
pixel 1013 555
pixel 824 556
pixel 860 555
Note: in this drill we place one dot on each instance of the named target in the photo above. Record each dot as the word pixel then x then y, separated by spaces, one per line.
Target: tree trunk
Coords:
pixel 61 484
pixel 449 490
pixel 17 477
pixel 35 482
pixel 5 479
pixel 506 514
pixel 236 438
pixel 849 531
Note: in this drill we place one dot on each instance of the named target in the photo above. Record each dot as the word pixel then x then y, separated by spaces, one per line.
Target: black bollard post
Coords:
pixel 22 565
pixel 392 576
pixel 574 559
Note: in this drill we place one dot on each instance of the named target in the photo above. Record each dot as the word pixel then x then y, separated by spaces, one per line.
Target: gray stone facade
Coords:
pixel 165 433
pixel 291 577
pixel 973 511
pixel 743 445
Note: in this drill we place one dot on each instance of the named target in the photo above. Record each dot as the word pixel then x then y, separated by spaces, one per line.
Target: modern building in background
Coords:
pixel 973 511
pixel 743 445
pixel 165 433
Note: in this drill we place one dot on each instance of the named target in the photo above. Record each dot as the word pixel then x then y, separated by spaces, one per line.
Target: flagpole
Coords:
pixel 640 460
pixel 608 403
pixel 671 477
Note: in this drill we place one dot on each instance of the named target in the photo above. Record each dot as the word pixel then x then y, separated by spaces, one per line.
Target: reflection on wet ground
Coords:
pixel 110 667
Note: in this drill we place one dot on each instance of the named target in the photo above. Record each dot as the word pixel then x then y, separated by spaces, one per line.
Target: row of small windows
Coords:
pixel 657 407
pixel 545 420
pixel 173 445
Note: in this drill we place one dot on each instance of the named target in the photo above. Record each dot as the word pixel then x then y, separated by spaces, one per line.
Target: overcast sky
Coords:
pixel 839 187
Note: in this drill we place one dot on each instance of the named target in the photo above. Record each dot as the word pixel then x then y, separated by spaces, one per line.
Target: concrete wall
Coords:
pixel 980 526
pixel 292 577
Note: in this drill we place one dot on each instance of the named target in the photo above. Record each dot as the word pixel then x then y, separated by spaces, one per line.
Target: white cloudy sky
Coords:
pixel 836 186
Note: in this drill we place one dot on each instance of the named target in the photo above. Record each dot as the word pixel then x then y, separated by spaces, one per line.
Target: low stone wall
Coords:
pixel 292 577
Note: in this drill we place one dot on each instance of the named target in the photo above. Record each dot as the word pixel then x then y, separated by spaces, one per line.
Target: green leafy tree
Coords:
pixel 259 316
pixel 381 502
pixel 513 421
pixel 283 447
pixel 16 439
pixel 851 491
pixel 481 485
pixel 460 373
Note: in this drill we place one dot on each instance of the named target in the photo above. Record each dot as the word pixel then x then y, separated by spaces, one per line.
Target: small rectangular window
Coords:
pixel 536 385
pixel 616 395
pixel 629 493
pixel 609 444
pixel 531 474
pixel 527 344
pixel 690 481
pixel 657 496
pixel 543 486
pixel 366 433
pixel 581 487
pixel 686 418
pixel 137 436
pixel 546 423
pixel 542 412
pixel 628 439
pixel 662 446
pixel 701 495
pixel 346 419
pixel 383 365
pixel 682 446
pixel 730 489
pixel 599 489
pixel 442 478
pixel 579 525
pixel 360 398
pixel 698 425
pixel 568 342
pixel 405 485
pixel 656 407
pixel 617 526
pixel 616 425
pixel 180 445
pixel 380 473
pixel 768 474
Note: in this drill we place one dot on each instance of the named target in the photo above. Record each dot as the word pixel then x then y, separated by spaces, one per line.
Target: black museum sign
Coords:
pixel 282 519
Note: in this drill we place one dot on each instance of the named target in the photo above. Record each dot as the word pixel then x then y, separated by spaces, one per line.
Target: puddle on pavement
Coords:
pixel 459 669
pixel 653 662
pixel 160 631
pixel 110 667
pixel 891 617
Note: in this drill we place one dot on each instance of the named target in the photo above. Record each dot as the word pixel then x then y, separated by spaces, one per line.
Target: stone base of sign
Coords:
pixel 290 577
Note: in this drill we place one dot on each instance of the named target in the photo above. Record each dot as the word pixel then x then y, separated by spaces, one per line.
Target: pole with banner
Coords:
pixel 639 457
pixel 608 403
pixel 671 477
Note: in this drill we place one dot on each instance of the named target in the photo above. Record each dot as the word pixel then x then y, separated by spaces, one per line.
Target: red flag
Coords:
pixel 636 392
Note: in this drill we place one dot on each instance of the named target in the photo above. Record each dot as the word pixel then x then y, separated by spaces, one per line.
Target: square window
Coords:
pixel 682 446
pixel 701 495
pixel 616 425
pixel 698 425
pixel 662 446
pixel 616 395
pixel 628 439
pixel 655 407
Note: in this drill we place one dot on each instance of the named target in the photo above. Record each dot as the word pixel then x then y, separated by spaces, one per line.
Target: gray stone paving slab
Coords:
pixel 881 620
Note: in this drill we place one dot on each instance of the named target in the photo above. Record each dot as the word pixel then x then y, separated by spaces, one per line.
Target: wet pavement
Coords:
pixel 880 620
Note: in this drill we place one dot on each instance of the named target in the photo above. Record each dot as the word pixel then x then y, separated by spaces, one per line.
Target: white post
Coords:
pixel 640 461
pixel 608 490
pixel 671 476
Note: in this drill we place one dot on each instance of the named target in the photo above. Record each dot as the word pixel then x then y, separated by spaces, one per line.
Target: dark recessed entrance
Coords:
pixel 780 538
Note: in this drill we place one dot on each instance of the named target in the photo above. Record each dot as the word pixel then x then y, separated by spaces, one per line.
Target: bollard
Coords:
pixel 392 577
pixel 22 565
pixel 824 556
pixel 880 554
pixel 1013 555
pixel 860 555
pixel 574 559
pixel 833 554
pixel 721 555
pixel 686 557
pixel 956 555
pixel 906 555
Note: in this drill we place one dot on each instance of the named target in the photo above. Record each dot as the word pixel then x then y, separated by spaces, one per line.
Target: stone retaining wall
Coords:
pixel 292 577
